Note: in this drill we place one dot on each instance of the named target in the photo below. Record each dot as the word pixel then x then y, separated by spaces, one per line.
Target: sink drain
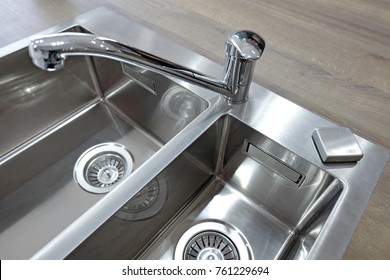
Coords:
pixel 210 245
pixel 146 203
pixel 106 170
pixel 213 241
pixel 101 167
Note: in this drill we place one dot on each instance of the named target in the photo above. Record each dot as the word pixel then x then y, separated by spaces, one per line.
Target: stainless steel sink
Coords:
pixel 190 152
pixel 47 121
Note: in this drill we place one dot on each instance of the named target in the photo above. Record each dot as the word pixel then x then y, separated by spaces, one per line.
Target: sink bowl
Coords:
pixel 231 176
pixel 48 120
pixel 109 161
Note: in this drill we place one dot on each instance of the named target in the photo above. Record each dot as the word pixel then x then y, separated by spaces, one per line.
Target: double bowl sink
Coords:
pixel 103 160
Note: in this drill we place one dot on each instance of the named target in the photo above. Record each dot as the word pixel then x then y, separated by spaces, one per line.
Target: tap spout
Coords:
pixel 242 49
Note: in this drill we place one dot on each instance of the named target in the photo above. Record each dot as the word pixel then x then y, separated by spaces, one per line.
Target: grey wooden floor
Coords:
pixel 330 56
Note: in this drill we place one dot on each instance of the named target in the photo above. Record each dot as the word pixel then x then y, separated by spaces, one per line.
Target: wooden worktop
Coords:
pixel 330 56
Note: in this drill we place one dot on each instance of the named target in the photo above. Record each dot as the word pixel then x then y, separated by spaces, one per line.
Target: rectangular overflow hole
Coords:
pixel 274 163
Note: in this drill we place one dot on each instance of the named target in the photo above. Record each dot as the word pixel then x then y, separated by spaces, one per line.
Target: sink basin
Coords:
pixel 247 184
pixel 49 120
pixel 109 161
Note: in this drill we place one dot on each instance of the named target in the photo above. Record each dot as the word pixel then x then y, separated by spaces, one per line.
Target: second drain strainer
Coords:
pixel 213 240
pixel 100 168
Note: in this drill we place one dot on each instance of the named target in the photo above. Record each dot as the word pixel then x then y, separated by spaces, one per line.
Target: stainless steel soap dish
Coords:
pixel 337 145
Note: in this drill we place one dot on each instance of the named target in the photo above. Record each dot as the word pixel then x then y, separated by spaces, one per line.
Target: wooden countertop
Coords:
pixel 331 57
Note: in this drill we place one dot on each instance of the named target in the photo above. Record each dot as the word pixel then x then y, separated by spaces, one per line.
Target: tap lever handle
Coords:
pixel 245 45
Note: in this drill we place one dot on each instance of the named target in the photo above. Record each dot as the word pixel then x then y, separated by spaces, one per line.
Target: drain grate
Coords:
pixel 210 245
pixel 213 240
pixel 101 167
pixel 105 170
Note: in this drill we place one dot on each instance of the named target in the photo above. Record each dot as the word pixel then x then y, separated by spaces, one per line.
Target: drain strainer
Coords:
pixel 146 203
pixel 210 245
pixel 105 170
pixel 213 240
pixel 101 167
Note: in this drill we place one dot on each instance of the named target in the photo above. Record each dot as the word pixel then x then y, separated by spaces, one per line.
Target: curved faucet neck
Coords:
pixel 243 48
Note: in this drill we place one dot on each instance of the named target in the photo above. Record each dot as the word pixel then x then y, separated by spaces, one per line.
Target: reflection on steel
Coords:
pixel 146 203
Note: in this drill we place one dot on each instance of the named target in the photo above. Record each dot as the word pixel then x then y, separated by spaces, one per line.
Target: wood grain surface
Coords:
pixel 330 56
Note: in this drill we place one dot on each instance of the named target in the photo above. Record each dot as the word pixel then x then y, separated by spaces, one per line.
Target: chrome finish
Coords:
pixel 100 168
pixel 199 156
pixel 31 101
pixel 243 48
pixel 337 144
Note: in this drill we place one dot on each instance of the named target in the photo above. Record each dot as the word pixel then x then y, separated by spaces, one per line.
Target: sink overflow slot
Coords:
pixel 279 166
